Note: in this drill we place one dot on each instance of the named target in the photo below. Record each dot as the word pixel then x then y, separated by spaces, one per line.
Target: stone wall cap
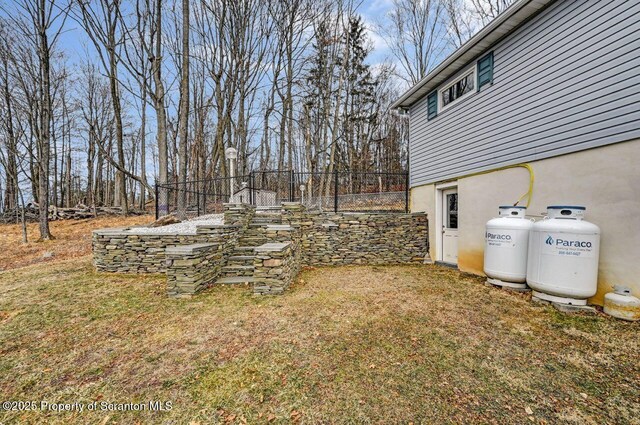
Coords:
pixel 159 233
pixel 188 249
pixel 272 247
pixel 279 227
pixel 217 226
pixel 112 230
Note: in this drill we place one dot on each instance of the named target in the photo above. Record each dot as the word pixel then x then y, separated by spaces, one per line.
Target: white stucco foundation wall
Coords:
pixel 605 180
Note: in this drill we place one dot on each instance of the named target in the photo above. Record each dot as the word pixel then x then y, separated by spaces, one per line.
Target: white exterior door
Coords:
pixel 450 226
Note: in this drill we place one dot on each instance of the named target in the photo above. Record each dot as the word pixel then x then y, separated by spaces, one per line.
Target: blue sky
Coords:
pixel 75 43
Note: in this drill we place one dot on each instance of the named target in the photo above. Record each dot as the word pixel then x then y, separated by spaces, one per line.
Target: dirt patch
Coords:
pixel 72 239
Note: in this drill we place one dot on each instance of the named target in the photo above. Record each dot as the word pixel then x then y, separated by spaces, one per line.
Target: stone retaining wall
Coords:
pixel 358 238
pixel 122 250
pixel 303 238
pixel 276 265
pixel 192 268
pixel 118 250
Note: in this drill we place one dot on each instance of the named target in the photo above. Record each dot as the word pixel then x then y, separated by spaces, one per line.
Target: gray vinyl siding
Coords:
pixel 566 81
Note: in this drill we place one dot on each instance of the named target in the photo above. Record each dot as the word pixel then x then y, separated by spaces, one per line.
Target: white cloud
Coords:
pixel 377 6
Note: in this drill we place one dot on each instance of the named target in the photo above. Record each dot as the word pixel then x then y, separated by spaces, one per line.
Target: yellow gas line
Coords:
pixel 528 194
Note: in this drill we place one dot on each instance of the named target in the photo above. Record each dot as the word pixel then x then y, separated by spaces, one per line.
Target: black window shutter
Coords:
pixel 432 105
pixel 485 70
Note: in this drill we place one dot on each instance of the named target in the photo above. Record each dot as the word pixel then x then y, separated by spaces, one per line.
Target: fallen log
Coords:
pixel 78 212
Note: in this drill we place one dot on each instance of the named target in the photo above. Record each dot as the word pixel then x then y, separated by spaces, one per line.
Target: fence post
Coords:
pixel 156 188
pixel 252 182
pixel 406 192
pixel 291 183
pixel 251 187
pixel 335 190
pixel 204 198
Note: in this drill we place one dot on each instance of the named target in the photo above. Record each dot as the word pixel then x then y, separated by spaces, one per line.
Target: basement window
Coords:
pixel 462 87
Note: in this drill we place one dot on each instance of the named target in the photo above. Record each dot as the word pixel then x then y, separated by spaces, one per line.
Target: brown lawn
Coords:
pixel 73 239
pixel 401 344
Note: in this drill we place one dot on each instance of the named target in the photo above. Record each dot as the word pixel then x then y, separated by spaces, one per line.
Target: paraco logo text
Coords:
pixel 497 236
pixel 567 244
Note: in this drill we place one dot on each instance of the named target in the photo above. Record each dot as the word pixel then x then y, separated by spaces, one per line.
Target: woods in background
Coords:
pixel 164 87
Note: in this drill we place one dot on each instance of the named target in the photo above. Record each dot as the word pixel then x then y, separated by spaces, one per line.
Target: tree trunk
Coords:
pixel 11 171
pixel 161 114
pixel 45 122
pixel 184 111
pixel 143 148
pixel 121 183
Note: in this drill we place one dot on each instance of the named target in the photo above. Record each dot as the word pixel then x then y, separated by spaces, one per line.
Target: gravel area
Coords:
pixel 186 227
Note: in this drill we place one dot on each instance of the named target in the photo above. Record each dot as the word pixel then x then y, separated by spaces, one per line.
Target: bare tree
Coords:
pixel 465 17
pixel 11 138
pixel 155 48
pixel 416 35
pixel 101 21
pixel 286 83
pixel 183 126
pixel 459 20
pixel 43 25
pixel 290 18
pixel 488 10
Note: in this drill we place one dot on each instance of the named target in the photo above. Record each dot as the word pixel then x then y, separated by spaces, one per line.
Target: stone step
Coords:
pixel 240 250
pixel 238 271
pixel 238 268
pixel 267 216
pixel 241 260
pixel 234 280
pixel 242 257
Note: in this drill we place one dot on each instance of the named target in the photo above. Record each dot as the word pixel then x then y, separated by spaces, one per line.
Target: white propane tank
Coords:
pixel 621 304
pixel 506 246
pixel 563 256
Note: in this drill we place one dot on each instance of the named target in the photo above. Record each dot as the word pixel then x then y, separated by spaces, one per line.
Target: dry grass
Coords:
pixel 416 344
pixel 73 239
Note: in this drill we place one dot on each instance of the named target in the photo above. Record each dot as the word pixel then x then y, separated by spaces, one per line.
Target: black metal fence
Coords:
pixel 330 191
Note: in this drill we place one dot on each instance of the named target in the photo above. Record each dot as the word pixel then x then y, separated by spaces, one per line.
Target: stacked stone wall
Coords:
pixel 118 250
pixel 275 266
pixel 122 250
pixel 303 238
pixel 358 238
pixel 192 268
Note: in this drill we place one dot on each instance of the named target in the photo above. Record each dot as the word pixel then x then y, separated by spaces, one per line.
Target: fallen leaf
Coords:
pixel 528 410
